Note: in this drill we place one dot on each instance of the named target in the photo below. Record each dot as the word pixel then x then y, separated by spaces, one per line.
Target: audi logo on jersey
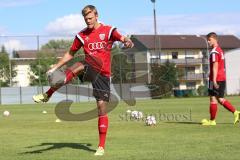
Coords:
pixel 97 45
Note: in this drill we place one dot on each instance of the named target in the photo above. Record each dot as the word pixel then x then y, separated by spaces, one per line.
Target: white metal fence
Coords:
pixel 80 93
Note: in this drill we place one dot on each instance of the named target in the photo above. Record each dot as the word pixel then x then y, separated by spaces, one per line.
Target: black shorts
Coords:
pixel 100 83
pixel 219 92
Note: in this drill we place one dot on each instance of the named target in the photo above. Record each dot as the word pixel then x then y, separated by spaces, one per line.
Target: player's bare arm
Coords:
pixel 215 71
pixel 66 58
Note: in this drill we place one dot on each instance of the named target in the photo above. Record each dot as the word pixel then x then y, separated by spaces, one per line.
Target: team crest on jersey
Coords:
pixel 102 36
pixel 87 38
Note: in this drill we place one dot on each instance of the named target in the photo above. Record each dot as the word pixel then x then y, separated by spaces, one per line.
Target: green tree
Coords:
pixel 40 66
pixel 164 79
pixel 5 65
pixel 62 45
pixel 46 57
pixel 202 90
pixel 119 66
pixel 57 44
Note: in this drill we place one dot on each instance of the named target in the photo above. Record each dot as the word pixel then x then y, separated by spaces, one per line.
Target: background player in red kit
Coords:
pixel 217 81
pixel 96 40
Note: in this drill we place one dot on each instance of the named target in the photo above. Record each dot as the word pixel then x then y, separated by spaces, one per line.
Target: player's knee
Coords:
pixel 213 100
pixel 101 105
pixel 221 100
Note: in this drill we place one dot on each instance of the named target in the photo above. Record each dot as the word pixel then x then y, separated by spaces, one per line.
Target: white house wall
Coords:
pixel 22 78
pixel 232 59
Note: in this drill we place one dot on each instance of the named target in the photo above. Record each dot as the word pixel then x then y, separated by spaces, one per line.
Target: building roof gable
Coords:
pixel 185 41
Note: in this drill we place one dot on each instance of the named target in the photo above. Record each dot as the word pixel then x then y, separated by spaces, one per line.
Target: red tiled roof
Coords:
pixel 144 42
pixel 33 53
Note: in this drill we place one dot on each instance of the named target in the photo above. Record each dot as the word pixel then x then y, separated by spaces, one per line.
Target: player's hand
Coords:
pixel 216 86
pixel 128 42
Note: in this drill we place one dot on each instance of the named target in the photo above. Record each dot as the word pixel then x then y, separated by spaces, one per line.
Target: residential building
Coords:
pixel 22 60
pixel 188 52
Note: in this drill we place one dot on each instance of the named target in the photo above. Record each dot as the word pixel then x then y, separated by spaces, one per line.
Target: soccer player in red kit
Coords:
pixel 217 82
pixel 96 40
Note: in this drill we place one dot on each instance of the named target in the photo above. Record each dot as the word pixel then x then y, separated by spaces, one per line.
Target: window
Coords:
pixel 190 69
pixel 174 55
pixel 191 85
pixel 205 68
pixel 189 54
pixel 154 60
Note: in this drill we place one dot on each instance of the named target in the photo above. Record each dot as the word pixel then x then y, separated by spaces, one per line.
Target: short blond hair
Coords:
pixel 212 35
pixel 88 9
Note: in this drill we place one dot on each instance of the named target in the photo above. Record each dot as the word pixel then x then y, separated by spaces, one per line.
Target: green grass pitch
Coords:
pixel 29 134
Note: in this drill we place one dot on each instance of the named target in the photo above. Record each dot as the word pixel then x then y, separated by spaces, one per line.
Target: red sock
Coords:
pixel 69 75
pixel 102 129
pixel 51 91
pixel 226 104
pixel 213 110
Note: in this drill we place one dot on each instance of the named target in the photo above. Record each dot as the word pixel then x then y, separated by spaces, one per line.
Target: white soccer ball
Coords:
pixel 136 115
pixel 6 113
pixel 150 120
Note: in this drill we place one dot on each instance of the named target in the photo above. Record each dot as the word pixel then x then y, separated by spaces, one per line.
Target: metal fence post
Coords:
pixel 20 92
pixel 42 89
pixel 88 93
pixel 130 91
pixel 120 72
pixel 79 94
pixel 0 94
pixel 239 87
pixel 66 93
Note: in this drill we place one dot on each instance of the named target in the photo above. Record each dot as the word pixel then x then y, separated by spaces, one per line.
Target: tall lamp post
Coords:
pixel 207 52
pixel 154 16
pixel 10 71
pixel 156 40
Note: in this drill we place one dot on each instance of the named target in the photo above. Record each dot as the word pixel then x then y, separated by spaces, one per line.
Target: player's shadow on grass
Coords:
pixel 53 146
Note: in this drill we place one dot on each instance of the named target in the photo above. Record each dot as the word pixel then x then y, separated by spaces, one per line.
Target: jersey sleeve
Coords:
pixel 115 35
pixel 215 57
pixel 77 44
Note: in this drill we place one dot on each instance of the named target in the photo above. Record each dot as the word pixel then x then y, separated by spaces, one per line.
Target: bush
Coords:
pixel 202 91
pixel 185 93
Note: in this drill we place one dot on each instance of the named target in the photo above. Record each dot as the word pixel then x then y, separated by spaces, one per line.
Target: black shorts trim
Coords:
pixel 219 92
pixel 100 83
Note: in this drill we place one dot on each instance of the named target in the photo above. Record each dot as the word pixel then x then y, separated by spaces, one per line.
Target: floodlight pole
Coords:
pixel 39 63
pixel 10 71
pixel 156 41
pixel 207 52
pixel 154 16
